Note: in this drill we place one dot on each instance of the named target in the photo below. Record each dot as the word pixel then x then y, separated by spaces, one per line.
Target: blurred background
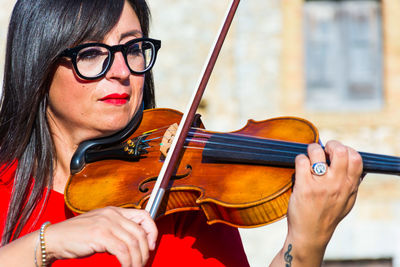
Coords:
pixel 334 63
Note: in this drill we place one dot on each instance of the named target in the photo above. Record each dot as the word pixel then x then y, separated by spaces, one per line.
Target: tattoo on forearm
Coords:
pixel 288 258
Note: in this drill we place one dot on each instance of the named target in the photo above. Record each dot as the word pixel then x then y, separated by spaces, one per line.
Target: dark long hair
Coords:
pixel 39 31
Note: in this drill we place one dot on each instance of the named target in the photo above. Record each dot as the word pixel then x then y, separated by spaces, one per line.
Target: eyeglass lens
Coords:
pixel 92 61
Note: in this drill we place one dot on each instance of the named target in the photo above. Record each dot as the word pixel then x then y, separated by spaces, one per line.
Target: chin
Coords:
pixel 109 125
pixel 114 127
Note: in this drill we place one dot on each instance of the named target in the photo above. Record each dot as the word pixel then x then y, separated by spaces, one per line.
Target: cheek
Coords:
pixel 137 85
pixel 67 95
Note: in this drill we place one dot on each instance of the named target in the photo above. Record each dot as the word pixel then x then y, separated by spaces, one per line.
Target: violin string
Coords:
pixel 380 157
pixel 239 137
pixel 249 148
pixel 369 159
pixel 154 131
pixel 151 139
pixel 369 166
pixel 368 156
pixel 282 160
pixel 257 144
pixel 266 150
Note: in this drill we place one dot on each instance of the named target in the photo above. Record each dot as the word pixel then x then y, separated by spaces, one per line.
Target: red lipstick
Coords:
pixel 115 99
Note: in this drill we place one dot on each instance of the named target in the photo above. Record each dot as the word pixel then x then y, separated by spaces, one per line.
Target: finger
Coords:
pixel 126 239
pixel 355 166
pixel 302 171
pixel 134 235
pixel 355 169
pixel 316 154
pixel 135 240
pixel 150 228
pixel 143 218
pixel 119 249
pixel 338 155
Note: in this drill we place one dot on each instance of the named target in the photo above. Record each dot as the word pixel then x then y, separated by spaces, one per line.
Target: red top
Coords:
pixel 185 239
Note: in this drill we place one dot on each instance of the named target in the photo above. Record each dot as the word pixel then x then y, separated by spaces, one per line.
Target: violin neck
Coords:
pixel 231 148
pixel 375 163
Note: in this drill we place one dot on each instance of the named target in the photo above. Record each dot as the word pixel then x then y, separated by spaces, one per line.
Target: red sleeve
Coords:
pixel 187 240
pixel 7 174
pixel 6 179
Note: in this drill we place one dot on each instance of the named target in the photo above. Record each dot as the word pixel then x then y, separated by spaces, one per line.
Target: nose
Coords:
pixel 118 70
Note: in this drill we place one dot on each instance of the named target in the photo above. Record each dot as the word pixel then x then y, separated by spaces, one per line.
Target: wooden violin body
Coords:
pixel 226 178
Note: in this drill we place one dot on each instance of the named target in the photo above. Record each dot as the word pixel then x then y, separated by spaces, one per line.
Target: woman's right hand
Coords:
pixel 128 234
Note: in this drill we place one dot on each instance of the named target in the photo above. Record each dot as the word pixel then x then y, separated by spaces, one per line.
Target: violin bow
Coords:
pixel 173 154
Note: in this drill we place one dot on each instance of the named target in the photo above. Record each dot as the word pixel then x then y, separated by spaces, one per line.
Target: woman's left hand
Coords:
pixel 319 202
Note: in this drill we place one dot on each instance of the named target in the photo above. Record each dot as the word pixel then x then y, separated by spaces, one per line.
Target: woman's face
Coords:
pixel 81 109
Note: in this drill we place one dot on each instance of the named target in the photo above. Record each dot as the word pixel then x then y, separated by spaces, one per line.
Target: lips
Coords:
pixel 115 99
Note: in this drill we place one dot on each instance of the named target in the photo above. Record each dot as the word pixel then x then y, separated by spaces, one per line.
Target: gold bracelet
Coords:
pixel 43 243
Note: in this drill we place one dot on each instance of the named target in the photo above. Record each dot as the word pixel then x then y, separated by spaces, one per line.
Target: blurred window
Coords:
pixel 343 55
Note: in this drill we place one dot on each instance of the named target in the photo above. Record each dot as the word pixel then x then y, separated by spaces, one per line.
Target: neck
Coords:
pixel 66 139
pixel 64 152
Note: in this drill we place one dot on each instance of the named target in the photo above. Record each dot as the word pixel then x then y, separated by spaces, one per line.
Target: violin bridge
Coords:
pixel 167 139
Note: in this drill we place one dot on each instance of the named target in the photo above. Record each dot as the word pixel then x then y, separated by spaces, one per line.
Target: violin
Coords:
pixel 242 178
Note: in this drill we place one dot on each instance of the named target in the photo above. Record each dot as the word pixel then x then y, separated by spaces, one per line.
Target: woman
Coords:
pixel 59 91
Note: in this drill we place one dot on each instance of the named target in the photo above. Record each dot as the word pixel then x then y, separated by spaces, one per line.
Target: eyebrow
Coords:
pixel 135 33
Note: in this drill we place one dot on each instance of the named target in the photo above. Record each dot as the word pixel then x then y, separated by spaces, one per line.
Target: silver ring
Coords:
pixel 319 168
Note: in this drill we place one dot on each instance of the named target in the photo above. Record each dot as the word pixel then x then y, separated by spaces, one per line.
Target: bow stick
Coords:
pixel 168 167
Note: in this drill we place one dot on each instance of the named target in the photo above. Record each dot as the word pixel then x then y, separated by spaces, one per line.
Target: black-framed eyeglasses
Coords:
pixel 92 60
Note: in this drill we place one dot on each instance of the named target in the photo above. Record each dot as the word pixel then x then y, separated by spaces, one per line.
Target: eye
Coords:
pixel 92 53
pixel 134 50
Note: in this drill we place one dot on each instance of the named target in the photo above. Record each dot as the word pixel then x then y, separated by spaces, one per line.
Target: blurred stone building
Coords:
pixel 335 63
